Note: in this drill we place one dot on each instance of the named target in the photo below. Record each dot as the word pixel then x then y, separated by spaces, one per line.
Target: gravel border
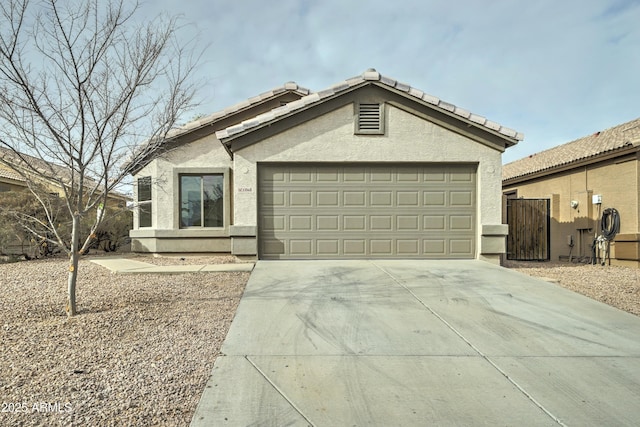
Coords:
pixel 616 286
pixel 139 353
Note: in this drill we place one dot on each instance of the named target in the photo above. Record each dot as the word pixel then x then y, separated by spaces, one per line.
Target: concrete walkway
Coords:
pixel 415 343
pixel 130 266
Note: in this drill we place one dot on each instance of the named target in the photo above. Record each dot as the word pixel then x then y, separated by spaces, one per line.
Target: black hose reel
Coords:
pixel 609 227
pixel 610 223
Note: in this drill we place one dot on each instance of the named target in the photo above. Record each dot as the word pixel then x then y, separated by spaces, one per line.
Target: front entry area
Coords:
pixel 365 210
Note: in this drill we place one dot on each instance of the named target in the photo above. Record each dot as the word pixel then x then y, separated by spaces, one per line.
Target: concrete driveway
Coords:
pixel 415 343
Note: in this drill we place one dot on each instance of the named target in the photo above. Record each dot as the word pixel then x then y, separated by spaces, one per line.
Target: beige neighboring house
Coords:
pixel 10 180
pixel 367 168
pixel 579 181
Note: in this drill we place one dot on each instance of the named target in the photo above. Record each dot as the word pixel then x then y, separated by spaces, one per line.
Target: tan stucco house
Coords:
pixel 10 180
pixel 367 168
pixel 581 180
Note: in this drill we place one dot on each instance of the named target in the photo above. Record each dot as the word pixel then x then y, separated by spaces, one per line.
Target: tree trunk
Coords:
pixel 73 266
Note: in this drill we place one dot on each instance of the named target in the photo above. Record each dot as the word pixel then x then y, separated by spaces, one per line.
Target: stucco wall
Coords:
pixel 206 155
pixel 330 138
pixel 616 181
pixel 198 155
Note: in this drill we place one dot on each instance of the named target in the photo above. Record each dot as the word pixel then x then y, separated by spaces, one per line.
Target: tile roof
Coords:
pixel 599 143
pixel 246 104
pixel 371 75
pixel 7 173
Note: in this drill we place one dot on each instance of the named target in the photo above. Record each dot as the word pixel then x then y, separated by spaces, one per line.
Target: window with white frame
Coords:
pixel 202 200
pixel 144 201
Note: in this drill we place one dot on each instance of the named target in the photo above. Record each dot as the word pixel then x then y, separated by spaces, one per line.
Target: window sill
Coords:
pixel 180 233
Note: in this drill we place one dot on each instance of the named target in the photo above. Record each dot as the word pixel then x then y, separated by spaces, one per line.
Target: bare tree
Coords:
pixel 81 83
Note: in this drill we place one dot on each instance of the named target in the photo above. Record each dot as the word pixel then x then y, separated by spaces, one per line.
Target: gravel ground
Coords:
pixel 139 353
pixel 142 348
pixel 616 286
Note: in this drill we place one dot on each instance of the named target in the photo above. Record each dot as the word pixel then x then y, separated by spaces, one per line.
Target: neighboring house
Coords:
pixel 367 168
pixel 566 179
pixel 10 180
pixel 13 173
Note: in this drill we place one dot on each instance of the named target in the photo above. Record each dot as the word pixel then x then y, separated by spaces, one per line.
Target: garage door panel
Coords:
pixel 354 198
pixel 272 247
pixel 360 211
pixel 381 198
pixel 408 198
pixel 407 223
pixel 301 247
pixel 460 222
pixel 434 247
pixel 300 199
pixel 274 198
pixel 327 222
pixel 300 222
pixel 300 177
pixel 327 198
pixel 329 175
pixel 354 176
pixel 355 247
pixel 381 222
pixel 354 223
pixel 434 176
pixel 461 198
pixel 273 223
pixel 381 247
pixel 434 222
pixel 460 247
pixel 328 247
pixel 408 247
pixel 379 176
pixel 434 198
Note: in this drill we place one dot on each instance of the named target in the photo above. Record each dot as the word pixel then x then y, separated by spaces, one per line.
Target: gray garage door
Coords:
pixel 314 211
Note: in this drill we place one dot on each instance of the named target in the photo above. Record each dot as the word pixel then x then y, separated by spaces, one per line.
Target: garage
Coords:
pixel 366 210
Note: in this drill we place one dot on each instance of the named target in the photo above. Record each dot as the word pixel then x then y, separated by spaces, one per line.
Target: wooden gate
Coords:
pixel 528 221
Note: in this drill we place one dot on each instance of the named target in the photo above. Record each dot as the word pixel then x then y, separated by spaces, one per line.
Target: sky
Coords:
pixel 555 70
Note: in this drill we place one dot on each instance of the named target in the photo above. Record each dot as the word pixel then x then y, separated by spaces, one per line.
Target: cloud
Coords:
pixel 553 70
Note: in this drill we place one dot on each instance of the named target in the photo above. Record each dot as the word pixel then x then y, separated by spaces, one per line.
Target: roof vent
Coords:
pixel 369 120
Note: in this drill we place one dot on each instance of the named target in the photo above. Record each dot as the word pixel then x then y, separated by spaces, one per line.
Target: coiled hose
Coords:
pixel 610 223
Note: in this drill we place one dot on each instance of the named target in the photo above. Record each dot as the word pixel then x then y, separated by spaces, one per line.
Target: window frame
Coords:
pixel 144 204
pixel 226 198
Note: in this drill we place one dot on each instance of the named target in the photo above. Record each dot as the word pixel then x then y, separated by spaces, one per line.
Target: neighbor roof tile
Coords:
pixel 615 138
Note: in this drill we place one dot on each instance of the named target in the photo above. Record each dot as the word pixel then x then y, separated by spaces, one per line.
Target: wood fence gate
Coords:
pixel 528 221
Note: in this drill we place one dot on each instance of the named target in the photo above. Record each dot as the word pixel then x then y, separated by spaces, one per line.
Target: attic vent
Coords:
pixel 369 119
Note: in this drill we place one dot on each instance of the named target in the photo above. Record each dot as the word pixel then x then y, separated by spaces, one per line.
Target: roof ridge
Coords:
pixel 290 86
pixel 370 74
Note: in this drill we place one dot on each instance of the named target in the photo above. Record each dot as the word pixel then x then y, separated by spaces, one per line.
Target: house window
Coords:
pixel 144 201
pixel 202 200
pixel 370 118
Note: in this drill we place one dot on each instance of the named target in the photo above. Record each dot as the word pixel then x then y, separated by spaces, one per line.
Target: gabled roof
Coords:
pixel 589 147
pixel 368 77
pixel 139 158
pixel 290 87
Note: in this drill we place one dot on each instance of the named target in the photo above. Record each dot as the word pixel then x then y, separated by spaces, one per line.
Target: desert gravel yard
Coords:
pixel 139 353
pixel 616 286
pixel 142 348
